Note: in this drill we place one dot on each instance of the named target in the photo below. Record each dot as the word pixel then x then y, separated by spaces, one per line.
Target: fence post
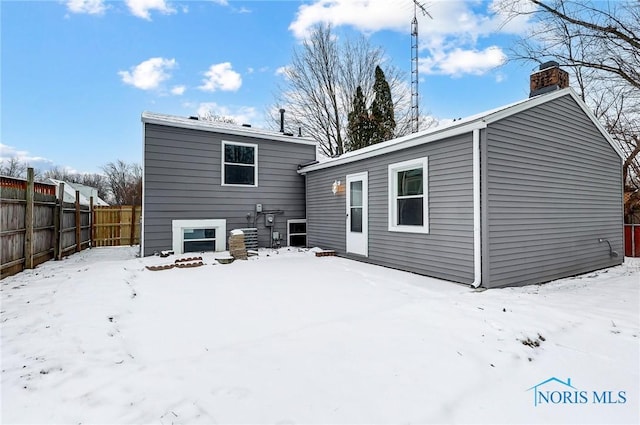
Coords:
pixel 56 228
pixel 78 234
pixel 60 237
pixel 28 221
pixel 133 225
pixel 91 236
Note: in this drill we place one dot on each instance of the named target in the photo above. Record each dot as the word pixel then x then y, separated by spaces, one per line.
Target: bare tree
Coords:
pixel 599 44
pixel 59 173
pixel 125 182
pixel 321 82
pixel 13 167
pixel 212 117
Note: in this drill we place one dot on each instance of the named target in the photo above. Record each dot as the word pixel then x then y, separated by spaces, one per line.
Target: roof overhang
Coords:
pixel 467 125
pixel 415 139
pixel 213 127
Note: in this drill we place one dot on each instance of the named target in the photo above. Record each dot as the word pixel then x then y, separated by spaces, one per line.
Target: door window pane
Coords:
pixel 356 194
pixel 356 219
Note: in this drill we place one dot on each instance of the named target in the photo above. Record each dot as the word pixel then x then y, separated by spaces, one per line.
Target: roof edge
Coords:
pixel 182 122
pixel 479 121
pixel 404 142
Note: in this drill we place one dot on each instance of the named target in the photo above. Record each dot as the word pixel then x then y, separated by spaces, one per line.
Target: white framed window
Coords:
pixel 198 235
pixel 239 164
pixel 297 232
pixel 408 196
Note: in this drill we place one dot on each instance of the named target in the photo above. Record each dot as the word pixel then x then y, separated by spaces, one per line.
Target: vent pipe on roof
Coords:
pixel 281 120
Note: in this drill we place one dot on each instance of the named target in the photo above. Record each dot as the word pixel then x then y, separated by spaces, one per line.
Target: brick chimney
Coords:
pixel 549 78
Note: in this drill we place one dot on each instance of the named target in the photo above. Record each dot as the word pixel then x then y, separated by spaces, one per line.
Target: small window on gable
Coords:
pixel 239 164
pixel 408 201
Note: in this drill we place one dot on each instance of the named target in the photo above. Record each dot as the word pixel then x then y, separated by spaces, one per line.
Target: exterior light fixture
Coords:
pixel 335 187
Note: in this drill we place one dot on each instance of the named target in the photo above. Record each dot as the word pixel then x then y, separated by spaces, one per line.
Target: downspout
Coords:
pixel 477 246
pixel 144 173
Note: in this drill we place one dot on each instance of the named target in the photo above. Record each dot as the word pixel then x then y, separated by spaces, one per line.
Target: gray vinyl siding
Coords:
pixel 551 187
pixel 182 180
pixel 446 252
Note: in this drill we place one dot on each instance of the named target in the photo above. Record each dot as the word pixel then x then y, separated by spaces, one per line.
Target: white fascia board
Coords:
pixel 181 122
pixel 401 143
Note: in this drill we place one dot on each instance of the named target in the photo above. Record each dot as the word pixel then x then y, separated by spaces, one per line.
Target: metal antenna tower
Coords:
pixel 415 99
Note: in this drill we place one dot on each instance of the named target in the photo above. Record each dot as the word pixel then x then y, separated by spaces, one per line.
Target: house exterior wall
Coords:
pixel 182 180
pixel 551 187
pixel 446 252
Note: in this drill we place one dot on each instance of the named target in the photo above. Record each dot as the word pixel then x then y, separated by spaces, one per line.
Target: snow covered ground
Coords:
pixel 288 337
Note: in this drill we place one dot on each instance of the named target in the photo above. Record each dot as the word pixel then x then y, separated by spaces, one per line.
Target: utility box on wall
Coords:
pixel 269 220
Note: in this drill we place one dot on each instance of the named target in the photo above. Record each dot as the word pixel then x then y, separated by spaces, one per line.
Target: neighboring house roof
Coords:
pixel 86 192
pixel 458 127
pixel 219 127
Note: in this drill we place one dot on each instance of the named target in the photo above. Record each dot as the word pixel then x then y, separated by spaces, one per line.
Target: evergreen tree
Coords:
pixel 359 126
pixel 382 115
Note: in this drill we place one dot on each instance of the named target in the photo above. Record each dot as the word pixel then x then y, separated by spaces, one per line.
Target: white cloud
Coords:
pixel 141 8
pixel 366 15
pixel 221 2
pixel 459 61
pixel 221 77
pixel 449 43
pixel 178 90
pixel 91 7
pixel 450 17
pixel 149 74
pixel 240 114
pixel 7 152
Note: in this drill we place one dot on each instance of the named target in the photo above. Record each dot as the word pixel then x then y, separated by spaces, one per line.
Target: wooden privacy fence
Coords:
pixel 116 225
pixel 632 240
pixel 36 226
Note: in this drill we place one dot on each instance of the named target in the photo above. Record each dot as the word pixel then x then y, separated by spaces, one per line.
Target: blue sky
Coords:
pixel 77 74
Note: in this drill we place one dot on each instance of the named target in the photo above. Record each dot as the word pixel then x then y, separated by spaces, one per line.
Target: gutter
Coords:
pixel 477 246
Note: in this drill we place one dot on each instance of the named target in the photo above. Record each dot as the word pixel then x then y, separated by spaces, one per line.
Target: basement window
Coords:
pixel 198 235
pixel 196 240
pixel 408 203
pixel 297 232
pixel 239 164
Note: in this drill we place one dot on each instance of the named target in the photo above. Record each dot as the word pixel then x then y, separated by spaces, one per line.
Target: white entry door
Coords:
pixel 357 214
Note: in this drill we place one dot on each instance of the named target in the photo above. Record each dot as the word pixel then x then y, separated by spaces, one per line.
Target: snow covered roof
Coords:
pixel 219 127
pixel 458 127
pixel 86 192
